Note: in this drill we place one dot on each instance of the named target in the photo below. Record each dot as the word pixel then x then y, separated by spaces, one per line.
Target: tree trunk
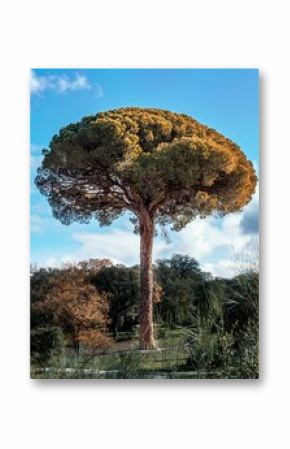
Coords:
pixel 146 281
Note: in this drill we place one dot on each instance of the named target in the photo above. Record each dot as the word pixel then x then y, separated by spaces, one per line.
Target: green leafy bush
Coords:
pixel 45 342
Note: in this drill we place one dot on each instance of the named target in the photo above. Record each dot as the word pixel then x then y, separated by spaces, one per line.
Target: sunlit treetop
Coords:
pixel 152 160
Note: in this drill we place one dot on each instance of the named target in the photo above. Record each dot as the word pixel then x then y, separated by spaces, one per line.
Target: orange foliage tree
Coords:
pixel 77 307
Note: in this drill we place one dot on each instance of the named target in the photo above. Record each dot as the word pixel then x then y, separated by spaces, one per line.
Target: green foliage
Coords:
pixel 181 266
pixel 122 284
pixel 224 354
pixel 224 342
pixel 242 299
pixel 128 365
pixel 45 343
pixel 208 327
pixel 182 284
pixel 40 286
pixel 133 158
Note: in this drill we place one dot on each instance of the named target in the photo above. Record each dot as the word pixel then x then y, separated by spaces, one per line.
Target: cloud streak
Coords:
pixel 62 83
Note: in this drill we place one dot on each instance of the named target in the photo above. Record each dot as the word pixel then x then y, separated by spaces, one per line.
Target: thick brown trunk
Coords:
pixel 146 281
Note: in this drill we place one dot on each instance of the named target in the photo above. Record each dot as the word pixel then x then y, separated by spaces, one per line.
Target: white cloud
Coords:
pixel 56 262
pixel 203 237
pixel 37 84
pixel 61 83
pixel 64 83
pixel 237 262
pixel 220 245
pixel 121 246
pixel 223 268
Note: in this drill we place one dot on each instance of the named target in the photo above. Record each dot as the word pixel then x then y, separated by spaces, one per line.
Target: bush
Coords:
pixel 128 365
pixel 95 339
pixel 245 363
pixel 45 342
pixel 224 340
pixel 223 354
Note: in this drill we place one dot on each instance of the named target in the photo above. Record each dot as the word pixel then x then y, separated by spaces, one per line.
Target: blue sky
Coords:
pixel 226 100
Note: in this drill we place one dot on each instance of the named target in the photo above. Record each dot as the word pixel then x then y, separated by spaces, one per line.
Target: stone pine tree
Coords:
pixel 164 168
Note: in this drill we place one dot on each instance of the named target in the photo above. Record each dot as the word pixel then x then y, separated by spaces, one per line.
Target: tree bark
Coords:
pixel 146 281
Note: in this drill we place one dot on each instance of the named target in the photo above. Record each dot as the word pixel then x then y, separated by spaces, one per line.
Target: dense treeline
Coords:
pixel 95 304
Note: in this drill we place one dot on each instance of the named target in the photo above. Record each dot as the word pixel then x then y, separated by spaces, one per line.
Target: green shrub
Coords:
pixel 224 355
pixel 45 342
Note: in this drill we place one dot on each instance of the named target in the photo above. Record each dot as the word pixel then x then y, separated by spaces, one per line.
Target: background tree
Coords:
pixel 69 301
pixel 122 286
pixel 40 285
pixel 93 266
pixel 164 168
pixel 183 287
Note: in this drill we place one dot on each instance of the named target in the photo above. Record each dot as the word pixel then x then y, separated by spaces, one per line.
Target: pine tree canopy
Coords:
pixel 134 159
